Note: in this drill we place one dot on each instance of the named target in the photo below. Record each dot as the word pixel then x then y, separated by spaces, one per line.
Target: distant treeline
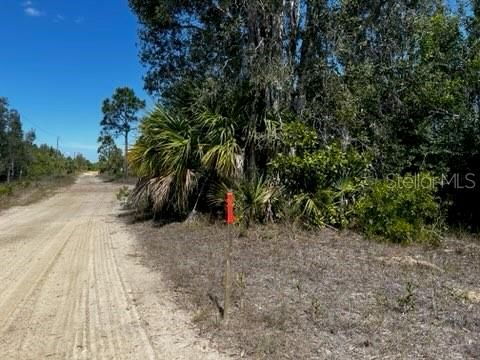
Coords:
pixel 21 158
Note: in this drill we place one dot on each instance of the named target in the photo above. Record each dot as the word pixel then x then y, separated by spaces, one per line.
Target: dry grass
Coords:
pixel 29 192
pixel 316 295
pixel 118 179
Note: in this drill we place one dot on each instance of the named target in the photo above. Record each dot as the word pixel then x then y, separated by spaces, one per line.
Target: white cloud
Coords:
pixel 59 18
pixel 31 11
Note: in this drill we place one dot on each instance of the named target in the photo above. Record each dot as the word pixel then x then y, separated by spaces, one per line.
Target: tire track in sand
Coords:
pixel 66 287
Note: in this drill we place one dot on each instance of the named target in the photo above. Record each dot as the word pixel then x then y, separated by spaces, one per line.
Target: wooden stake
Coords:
pixel 228 275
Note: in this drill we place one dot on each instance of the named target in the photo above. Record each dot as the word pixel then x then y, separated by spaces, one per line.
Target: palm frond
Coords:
pixel 223 151
pixel 307 209
pixel 167 153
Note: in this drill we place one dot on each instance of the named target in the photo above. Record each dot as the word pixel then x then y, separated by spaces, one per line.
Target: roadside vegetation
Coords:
pixel 29 171
pixel 355 115
pixel 110 158
pixel 25 192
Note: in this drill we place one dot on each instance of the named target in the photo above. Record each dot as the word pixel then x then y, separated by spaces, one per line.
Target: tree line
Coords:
pixel 321 99
pixel 21 158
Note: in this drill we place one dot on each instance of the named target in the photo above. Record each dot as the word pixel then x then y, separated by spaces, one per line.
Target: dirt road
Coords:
pixel 71 286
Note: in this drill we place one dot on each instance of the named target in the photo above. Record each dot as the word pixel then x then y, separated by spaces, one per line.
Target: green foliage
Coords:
pixel 176 152
pixel 222 153
pixel 21 158
pixel 320 169
pixel 6 190
pixel 110 158
pixel 397 80
pixel 119 115
pixel 167 157
pixel 123 194
pixel 298 137
pixel 403 209
pixel 310 210
pixel 323 184
pixel 256 200
pixel 119 112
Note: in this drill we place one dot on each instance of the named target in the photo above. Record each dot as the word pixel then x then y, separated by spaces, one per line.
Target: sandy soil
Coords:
pixel 72 286
pixel 322 294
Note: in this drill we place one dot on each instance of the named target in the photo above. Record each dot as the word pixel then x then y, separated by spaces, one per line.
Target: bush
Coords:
pixel 322 184
pixel 402 209
pixel 299 137
pixel 326 207
pixel 255 200
pixel 123 195
pixel 6 190
pixel 320 169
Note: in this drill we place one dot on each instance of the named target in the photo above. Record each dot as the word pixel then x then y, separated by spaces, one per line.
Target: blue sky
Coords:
pixel 60 58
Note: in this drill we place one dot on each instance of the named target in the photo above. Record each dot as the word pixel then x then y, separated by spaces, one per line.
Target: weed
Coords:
pixel 6 190
pixel 315 309
pixel 123 195
pixel 406 302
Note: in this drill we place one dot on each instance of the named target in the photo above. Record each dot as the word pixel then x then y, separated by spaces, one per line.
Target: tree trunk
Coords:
pixel 9 170
pixel 12 171
pixel 125 163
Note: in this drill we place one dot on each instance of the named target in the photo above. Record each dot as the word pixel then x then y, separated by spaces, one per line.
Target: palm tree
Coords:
pixel 166 157
pixel 175 153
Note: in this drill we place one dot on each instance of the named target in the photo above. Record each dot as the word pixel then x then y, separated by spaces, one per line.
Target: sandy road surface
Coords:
pixel 71 286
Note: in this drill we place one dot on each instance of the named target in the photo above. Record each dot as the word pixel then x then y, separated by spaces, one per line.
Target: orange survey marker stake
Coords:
pixel 229 205
pixel 230 218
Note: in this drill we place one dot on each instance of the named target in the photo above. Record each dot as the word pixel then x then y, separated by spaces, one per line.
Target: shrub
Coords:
pixel 325 207
pixel 402 209
pixel 6 190
pixel 255 200
pixel 309 210
pixel 123 195
pixel 299 137
pixel 320 169
pixel 322 184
